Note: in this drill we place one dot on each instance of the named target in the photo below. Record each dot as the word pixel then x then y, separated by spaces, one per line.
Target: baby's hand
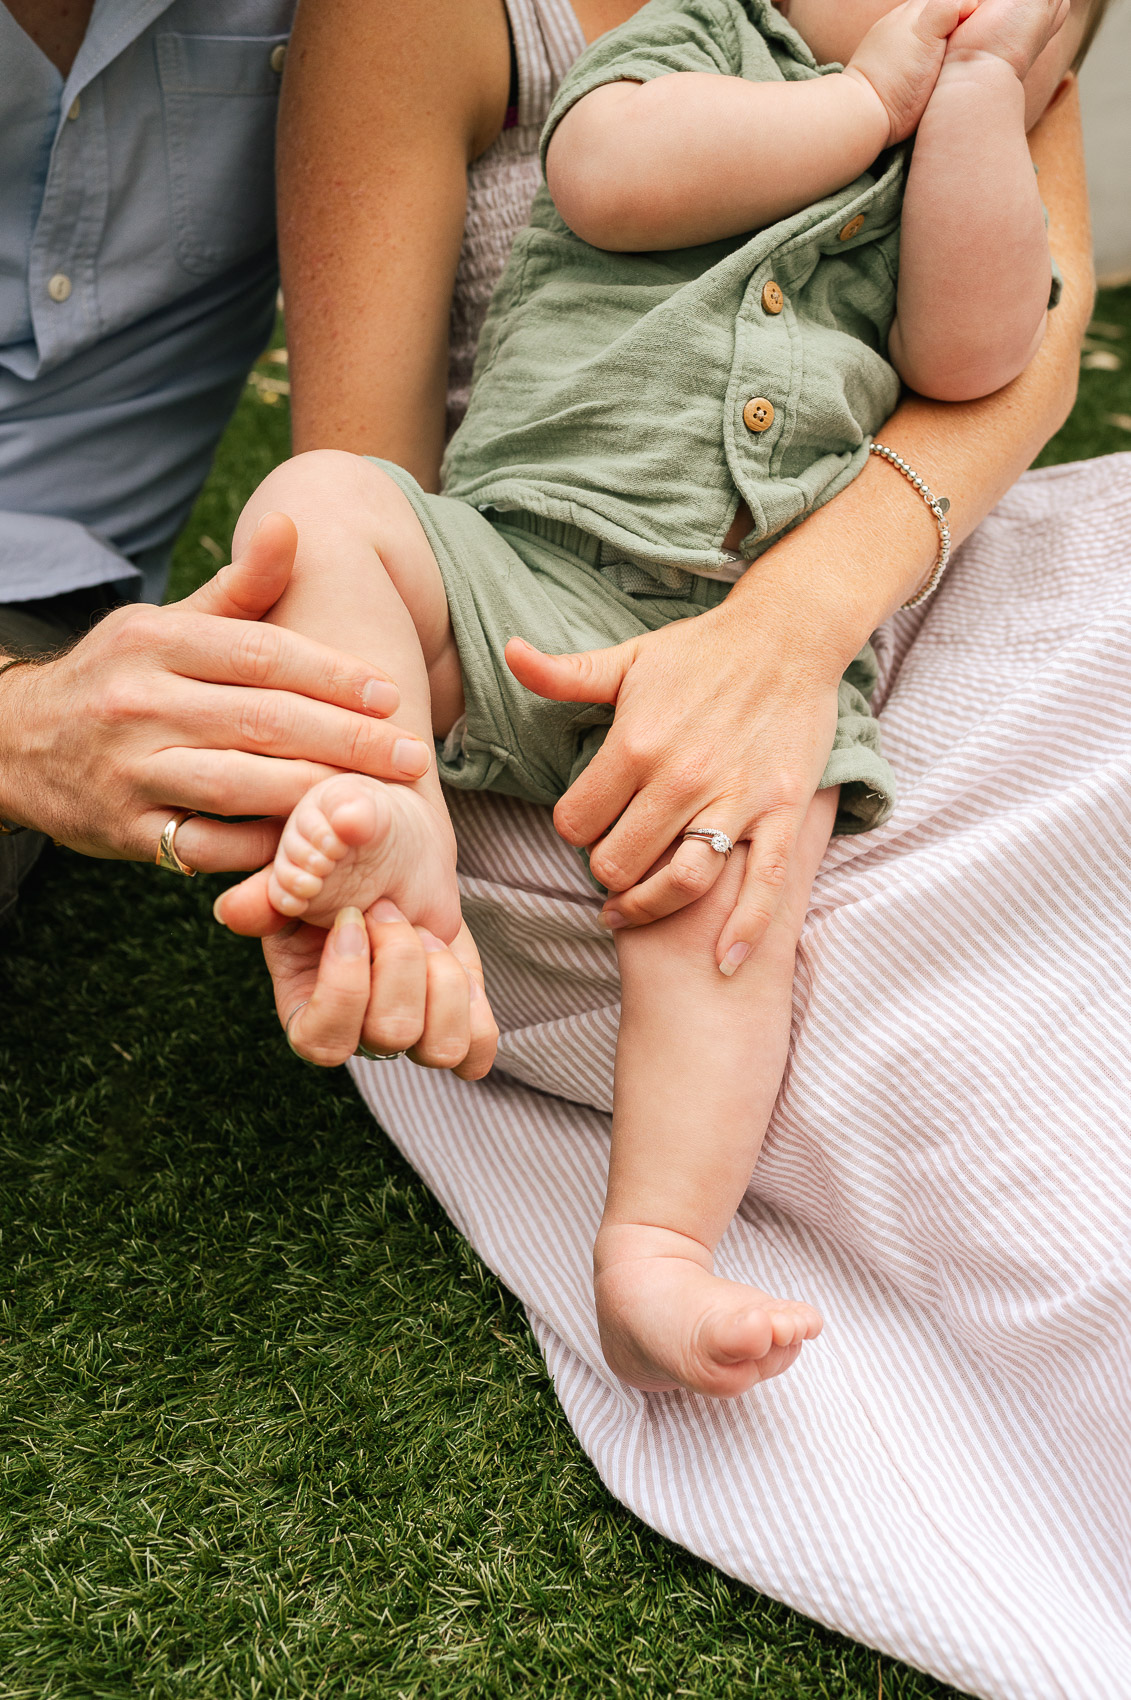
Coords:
pixel 901 56
pixel 1016 31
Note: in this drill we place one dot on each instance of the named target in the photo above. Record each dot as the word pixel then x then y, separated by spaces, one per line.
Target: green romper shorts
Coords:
pixel 519 575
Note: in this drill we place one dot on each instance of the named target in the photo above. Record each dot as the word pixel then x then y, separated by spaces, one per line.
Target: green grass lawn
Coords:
pixel 269 1428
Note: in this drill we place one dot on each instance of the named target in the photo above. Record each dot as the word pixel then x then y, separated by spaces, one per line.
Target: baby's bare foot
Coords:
pixel 666 1321
pixel 350 841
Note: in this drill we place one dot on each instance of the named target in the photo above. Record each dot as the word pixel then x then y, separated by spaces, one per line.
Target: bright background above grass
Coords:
pixel 271 1432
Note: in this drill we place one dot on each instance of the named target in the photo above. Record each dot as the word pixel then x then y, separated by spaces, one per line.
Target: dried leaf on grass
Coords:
pixel 266 387
pixel 1101 360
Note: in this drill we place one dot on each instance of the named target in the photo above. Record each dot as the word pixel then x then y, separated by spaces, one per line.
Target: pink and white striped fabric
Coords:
pixel 946 1474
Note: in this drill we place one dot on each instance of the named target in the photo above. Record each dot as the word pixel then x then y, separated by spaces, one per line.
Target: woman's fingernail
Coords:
pixel 349 932
pixel 386 910
pixel 734 959
pixel 430 941
pixel 475 990
pixel 411 757
pixel 380 697
pixel 218 909
pixel 611 919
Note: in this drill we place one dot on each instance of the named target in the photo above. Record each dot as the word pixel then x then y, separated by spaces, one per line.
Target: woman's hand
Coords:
pixel 376 981
pixel 716 725
pixel 193 706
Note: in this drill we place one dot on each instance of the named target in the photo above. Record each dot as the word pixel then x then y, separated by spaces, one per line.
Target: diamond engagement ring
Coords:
pixel 711 834
pixel 377 1056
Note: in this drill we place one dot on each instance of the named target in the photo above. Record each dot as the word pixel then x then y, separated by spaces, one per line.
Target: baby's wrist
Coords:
pixel 978 67
pixel 874 118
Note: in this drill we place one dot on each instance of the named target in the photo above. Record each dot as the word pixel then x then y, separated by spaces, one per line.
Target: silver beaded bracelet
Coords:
pixel 939 506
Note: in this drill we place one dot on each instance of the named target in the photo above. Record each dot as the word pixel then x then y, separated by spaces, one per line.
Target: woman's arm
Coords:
pixel 384 103
pixel 731 714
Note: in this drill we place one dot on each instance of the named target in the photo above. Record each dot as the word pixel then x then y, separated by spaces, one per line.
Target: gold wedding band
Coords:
pixel 166 856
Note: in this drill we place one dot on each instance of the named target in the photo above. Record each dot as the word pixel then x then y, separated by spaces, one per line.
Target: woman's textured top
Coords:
pixel 502 183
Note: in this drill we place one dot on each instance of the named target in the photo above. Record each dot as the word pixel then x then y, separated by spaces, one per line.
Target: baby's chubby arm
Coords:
pixel 975 272
pixel 692 157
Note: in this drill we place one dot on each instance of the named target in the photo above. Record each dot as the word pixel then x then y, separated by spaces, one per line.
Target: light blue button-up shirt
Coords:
pixel 137 277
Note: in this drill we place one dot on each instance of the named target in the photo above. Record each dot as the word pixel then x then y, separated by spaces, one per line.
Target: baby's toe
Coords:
pixel 795 1323
pixel 746 1333
pixel 351 811
pixel 310 842
pixel 786 1328
pixel 291 888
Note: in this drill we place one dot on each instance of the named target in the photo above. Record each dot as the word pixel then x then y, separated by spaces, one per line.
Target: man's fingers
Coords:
pixel 252 585
pixel 228 782
pixel 447 1021
pixel 326 1028
pixel 262 657
pixel 394 1020
pixel 767 865
pixel 688 876
pixel 293 956
pixel 484 1038
pixel 595 675
pixel 283 725
pixel 222 847
pixel 247 910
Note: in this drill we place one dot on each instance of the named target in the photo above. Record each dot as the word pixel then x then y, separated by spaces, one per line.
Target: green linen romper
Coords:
pixel 623 404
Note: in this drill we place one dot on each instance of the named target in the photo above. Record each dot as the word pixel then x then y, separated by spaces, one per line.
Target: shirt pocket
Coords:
pixel 220 95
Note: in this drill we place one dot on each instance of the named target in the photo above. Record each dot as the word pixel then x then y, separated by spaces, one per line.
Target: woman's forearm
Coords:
pixel 859 557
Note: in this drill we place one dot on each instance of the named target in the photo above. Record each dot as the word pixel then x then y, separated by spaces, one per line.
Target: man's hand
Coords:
pixel 710 731
pixel 193 706
pixel 377 981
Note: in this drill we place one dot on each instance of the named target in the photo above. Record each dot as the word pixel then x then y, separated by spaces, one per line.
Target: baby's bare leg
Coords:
pixel 699 1063
pixel 365 580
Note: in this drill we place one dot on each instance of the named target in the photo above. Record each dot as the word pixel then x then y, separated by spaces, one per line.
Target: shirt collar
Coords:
pixel 114 24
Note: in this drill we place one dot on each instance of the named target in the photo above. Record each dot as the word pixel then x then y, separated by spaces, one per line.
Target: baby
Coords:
pixel 734 260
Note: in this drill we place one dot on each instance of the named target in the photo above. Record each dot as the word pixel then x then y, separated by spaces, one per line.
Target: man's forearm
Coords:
pixel 974 271
pixel 693 157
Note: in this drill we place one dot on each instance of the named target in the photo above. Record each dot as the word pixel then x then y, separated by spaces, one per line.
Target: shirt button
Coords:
pixel 772 298
pixel 853 226
pixel 59 287
pixel 758 414
pixel 74 109
pixel 278 56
